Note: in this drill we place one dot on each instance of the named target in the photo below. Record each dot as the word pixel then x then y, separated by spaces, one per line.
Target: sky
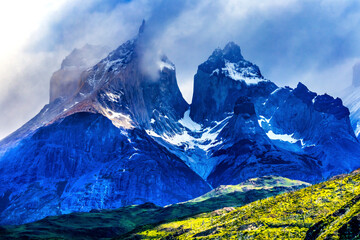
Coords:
pixel 314 42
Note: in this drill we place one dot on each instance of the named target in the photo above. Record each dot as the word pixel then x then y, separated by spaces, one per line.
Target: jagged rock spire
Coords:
pixel 232 52
pixel 142 27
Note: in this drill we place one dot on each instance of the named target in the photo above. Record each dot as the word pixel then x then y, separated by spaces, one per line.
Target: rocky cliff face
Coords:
pixel 126 138
pixel 84 162
pixel 118 84
pixel 248 151
pixel 221 79
pixel 65 81
pixel 319 123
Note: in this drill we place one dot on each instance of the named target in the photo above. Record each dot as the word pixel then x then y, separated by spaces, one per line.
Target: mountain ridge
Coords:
pixel 125 138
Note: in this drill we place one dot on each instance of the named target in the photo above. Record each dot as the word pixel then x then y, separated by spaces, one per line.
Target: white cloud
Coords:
pixel 290 40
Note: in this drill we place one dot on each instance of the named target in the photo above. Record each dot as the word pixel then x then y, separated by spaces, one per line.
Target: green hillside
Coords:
pixel 107 224
pixel 328 210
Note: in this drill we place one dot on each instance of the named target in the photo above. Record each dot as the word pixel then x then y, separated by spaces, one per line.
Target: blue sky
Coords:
pixel 315 42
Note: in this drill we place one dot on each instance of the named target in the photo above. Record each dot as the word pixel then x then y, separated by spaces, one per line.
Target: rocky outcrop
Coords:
pixel 65 81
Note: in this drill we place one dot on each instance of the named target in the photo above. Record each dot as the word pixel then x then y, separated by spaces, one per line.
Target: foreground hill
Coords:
pixel 328 210
pixel 111 223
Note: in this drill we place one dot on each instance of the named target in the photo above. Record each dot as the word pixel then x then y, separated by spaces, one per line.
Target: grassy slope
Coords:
pixel 331 210
pixel 111 223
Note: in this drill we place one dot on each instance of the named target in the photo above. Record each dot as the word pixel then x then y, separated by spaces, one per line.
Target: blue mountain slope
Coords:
pixel 84 162
pixel 269 130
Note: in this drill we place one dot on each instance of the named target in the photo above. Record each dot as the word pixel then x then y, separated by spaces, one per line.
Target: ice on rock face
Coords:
pixel 246 74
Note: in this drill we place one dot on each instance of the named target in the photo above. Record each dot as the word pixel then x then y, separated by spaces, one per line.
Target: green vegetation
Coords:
pixel 328 210
pixel 111 223
pixel 95 225
pixel 263 183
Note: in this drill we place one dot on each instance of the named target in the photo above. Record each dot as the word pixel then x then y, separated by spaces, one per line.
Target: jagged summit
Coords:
pixel 229 62
pixel 119 88
pixel 302 92
pixel 232 52
pixel 108 88
pixel 65 81
pixel 220 80
pixel 321 103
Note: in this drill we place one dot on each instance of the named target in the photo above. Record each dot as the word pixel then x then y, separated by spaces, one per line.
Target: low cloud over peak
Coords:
pixel 291 41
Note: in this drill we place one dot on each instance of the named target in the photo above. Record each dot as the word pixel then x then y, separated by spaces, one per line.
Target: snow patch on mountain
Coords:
pixel 187 122
pixel 282 137
pixel 166 64
pixel 113 97
pixel 263 120
pixel 118 119
pixel 193 136
pixel 265 124
pixel 246 74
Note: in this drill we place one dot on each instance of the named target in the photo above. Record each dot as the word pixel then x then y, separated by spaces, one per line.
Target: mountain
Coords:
pixel 328 210
pixel 125 136
pixel 95 153
pixel 241 125
pixel 65 81
pixel 106 224
pixel 351 96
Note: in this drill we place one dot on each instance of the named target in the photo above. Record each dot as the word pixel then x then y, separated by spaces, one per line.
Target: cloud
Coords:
pixel 315 42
